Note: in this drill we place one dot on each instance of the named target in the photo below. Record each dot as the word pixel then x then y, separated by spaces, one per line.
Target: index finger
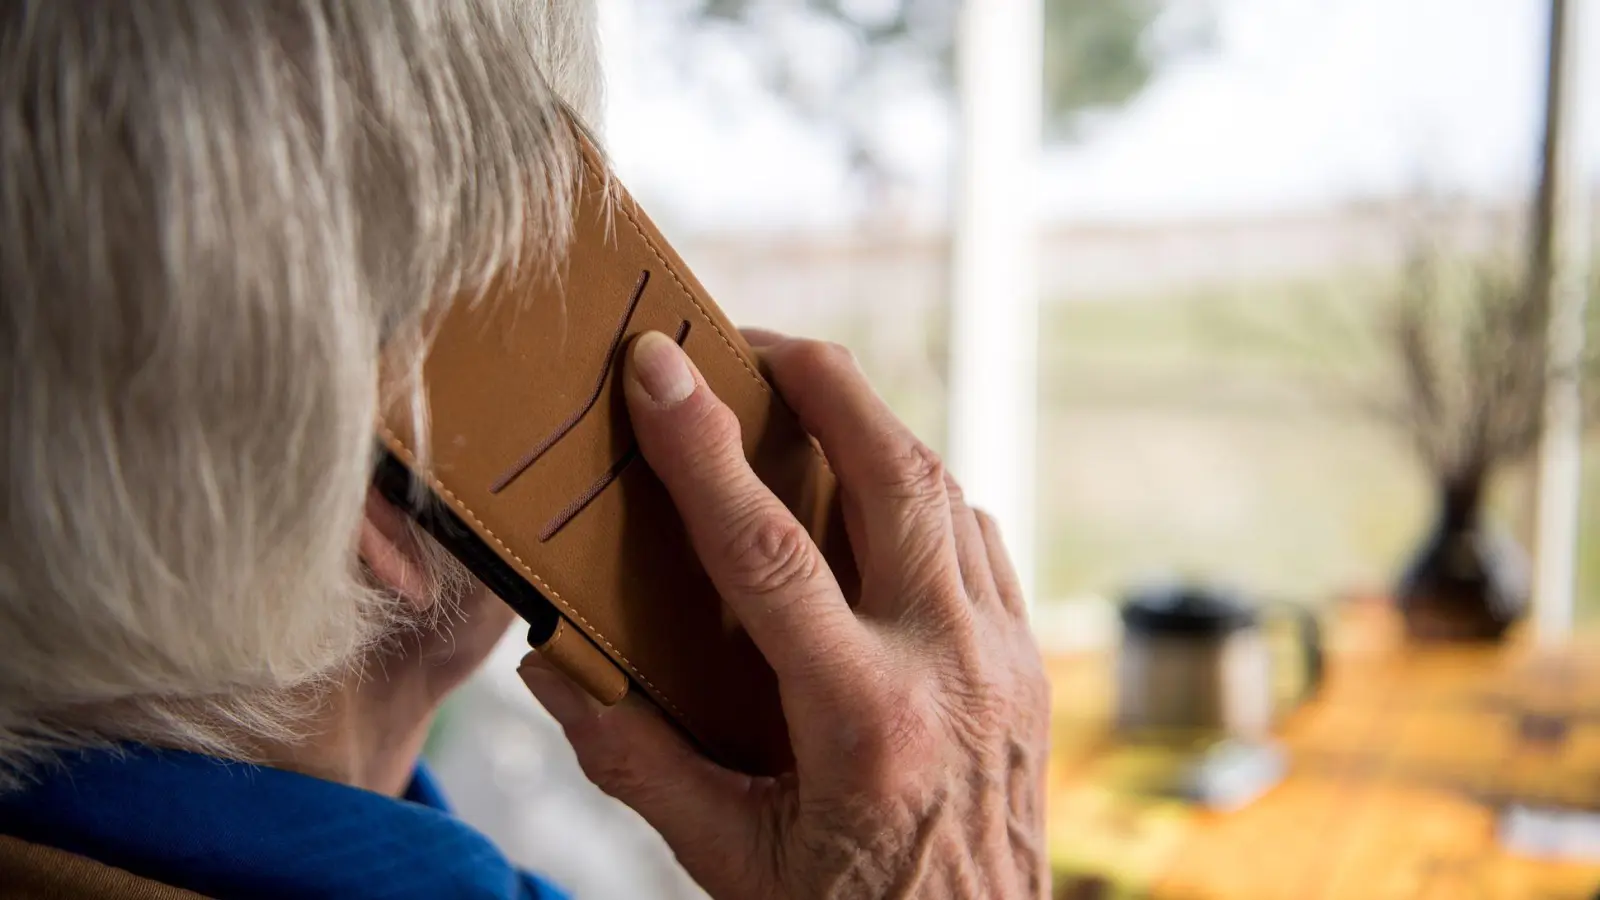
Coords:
pixel 907 529
pixel 760 558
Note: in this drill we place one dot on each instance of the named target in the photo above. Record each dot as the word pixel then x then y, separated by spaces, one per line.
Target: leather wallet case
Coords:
pixel 536 482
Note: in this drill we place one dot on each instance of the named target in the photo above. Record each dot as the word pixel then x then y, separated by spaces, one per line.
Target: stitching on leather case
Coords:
pixel 671 270
pixel 439 486
pixel 595 163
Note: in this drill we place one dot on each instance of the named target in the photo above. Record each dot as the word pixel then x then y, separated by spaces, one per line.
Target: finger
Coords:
pixel 760 558
pixel 762 337
pixel 706 813
pixel 844 535
pixel 896 482
pixel 1005 574
pixel 972 552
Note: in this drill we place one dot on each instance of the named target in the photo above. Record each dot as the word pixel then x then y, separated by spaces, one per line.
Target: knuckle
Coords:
pixel 770 553
pixel 967 638
pixel 820 358
pixel 958 497
pixel 912 470
pixel 937 599
pixel 613 764
pixel 717 431
pixel 838 355
pixel 617 771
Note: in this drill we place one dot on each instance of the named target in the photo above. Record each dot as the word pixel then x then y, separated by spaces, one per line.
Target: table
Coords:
pixel 1399 769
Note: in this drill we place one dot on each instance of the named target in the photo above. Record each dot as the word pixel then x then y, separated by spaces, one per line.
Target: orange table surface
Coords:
pixel 1398 771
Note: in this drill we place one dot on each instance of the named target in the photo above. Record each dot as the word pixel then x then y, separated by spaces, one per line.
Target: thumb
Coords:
pixel 709 815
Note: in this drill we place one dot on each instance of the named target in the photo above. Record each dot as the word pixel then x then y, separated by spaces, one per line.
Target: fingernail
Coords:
pixel 565 701
pixel 662 368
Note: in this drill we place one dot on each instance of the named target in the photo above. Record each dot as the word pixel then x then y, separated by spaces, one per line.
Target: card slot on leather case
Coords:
pixel 537 485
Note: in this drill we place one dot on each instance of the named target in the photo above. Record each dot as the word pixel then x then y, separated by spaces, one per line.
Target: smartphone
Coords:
pixel 531 476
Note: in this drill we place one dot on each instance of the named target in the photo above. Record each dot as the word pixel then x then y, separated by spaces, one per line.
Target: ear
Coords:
pixel 389 548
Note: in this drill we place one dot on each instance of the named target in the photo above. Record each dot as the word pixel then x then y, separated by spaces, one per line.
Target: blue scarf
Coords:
pixel 229 829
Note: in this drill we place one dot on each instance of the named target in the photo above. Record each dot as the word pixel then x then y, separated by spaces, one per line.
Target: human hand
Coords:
pixel 918 719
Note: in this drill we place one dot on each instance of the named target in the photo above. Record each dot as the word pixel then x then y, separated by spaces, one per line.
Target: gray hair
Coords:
pixel 214 217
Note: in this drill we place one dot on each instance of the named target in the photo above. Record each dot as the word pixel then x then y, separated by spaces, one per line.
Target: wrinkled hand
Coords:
pixel 918 718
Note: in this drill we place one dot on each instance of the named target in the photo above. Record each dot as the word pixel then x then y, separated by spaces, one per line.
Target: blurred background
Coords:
pixel 1259 324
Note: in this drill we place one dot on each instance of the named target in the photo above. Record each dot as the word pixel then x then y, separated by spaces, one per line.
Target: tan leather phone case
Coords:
pixel 540 488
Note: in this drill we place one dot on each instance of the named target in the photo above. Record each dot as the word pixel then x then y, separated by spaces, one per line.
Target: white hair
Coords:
pixel 214 216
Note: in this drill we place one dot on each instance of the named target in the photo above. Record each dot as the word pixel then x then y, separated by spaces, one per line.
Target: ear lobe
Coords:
pixel 391 553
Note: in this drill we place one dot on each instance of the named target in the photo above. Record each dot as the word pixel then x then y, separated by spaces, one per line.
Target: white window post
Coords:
pixel 1561 447
pixel 994 285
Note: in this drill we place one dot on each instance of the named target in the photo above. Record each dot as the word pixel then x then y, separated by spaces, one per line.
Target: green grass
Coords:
pixel 1213 433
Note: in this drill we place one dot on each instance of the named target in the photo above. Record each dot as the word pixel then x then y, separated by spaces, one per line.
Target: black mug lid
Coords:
pixel 1186 610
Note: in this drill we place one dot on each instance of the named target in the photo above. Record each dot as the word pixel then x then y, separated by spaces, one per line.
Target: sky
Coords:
pixel 1298 104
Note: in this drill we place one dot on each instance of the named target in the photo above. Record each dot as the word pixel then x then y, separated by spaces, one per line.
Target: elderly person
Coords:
pixel 220 651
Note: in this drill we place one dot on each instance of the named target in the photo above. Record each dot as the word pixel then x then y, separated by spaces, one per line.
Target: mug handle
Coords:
pixel 1309 656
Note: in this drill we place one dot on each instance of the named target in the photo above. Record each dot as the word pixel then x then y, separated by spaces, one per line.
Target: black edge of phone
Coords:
pixel 397 485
